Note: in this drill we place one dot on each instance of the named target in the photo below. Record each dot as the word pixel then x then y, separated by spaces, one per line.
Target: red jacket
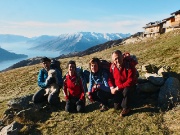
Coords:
pixel 73 87
pixel 122 77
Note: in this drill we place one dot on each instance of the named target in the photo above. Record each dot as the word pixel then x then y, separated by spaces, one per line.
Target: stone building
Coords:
pixel 159 27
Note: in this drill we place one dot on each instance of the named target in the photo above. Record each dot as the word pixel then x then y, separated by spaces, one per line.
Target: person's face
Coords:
pixel 117 59
pixel 94 67
pixel 46 65
pixel 71 68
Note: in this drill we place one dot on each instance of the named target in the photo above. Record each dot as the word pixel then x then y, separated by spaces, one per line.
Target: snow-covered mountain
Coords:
pixel 79 41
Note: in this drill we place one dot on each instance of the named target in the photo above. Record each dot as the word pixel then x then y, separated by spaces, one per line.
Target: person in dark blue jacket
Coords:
pixel 41 95
pixel 98 89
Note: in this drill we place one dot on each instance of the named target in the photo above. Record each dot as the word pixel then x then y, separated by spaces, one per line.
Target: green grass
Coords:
pixel 144 119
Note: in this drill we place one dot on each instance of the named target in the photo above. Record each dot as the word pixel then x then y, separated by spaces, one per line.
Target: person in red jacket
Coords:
pixel 73 90
pixel 121 81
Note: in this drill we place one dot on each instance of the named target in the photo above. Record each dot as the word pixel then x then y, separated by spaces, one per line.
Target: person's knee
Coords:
pixel 68 106
pixel 38 96
pixel 35 99
pixel 53 99
pixel 80 108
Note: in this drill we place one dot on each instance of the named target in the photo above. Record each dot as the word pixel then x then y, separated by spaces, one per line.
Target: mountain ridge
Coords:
pixel 6 55
pixel 9 38
pixel 79 41
pixel 88 51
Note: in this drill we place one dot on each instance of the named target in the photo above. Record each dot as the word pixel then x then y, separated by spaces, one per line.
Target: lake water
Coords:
pixel 23 48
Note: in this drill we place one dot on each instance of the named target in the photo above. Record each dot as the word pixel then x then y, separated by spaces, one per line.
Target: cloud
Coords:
pixel 35 28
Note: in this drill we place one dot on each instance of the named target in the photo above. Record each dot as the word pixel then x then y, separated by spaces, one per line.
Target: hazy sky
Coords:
pixel 54 17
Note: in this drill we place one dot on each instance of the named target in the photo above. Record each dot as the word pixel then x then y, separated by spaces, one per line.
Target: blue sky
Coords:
pixel 54 17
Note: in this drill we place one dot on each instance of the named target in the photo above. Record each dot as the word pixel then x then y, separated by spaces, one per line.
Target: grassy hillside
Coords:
pixel 144 119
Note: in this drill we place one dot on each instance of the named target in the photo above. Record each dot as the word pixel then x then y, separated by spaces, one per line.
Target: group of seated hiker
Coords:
pixel 117 84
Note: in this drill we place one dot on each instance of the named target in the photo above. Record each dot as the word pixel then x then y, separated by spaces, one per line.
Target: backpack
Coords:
pixel 105 65
pixel 83 73
pixel 130 61
pixel 130 58
pixel 55 64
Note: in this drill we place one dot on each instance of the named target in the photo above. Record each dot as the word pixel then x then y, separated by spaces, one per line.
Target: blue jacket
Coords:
pixel 42 76
pixel 101 78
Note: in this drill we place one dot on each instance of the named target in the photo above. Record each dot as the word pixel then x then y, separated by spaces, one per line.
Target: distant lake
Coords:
pixel 23 48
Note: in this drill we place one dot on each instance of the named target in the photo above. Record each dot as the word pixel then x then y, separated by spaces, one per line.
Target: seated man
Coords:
pixel 121 81
pixel 44 82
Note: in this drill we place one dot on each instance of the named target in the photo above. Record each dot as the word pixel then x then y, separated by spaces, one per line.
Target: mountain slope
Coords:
pixel 88 51
pixel 41 39
pixel 144 119
pixel 5 55
pixel 93 49
pixel 80 41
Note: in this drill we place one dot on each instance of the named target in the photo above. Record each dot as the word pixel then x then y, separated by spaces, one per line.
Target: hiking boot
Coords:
pixel 125 112
pixel 103 108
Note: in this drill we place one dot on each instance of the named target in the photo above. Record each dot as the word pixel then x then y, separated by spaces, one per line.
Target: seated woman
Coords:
pixel 73 90
pixel 98 89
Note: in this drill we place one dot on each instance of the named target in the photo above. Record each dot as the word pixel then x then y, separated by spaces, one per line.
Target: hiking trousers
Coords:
pixel 74 104
pixel 123 98
pixel 101 96
pixel 52 98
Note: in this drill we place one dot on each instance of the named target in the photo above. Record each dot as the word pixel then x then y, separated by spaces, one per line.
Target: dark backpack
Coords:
pixel 131 61
pixel 83 73
pixel 130 58
pixel 105 65
pixel 55 64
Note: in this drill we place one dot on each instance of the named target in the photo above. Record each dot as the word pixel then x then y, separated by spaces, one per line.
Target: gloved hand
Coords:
pixel 51 80
pixel 79 102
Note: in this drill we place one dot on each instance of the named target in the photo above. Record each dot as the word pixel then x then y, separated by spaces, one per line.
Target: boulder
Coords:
pixel 11 129
pixel 142 80
pixel 20 103
pixel 149 68
pixel 151 74
pixel 147 87
pixel 169 93
pixel 159 81
pixel 164 71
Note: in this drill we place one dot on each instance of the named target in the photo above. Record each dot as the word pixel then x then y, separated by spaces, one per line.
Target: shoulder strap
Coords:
pixel 127 64
pixel 64 77
pixel 102 76
pixel 78 79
